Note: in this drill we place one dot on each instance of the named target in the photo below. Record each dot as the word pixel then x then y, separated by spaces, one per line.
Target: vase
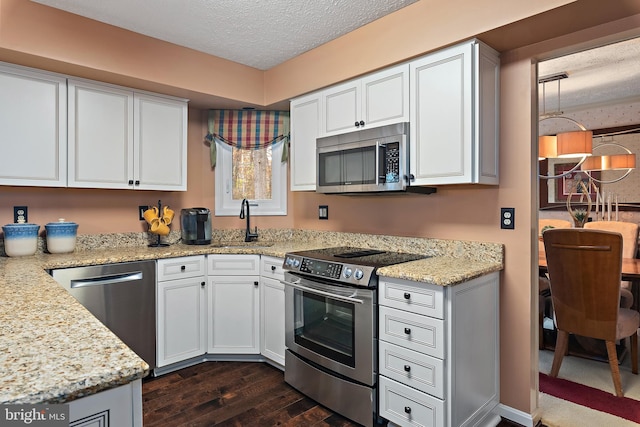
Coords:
pixel 579 223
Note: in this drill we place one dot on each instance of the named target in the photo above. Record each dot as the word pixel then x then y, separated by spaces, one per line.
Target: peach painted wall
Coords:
pixel 33 35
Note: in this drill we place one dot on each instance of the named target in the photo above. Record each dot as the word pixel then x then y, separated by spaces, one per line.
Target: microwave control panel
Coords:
pixel 392 162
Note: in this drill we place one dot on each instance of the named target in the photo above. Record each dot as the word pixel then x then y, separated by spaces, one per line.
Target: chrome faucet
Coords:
pixel 248 235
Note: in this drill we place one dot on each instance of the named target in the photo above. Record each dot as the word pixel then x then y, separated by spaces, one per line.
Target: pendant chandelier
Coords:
pixel 579 143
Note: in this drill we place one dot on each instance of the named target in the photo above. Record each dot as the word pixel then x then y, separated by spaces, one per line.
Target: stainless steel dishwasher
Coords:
pixel 122 296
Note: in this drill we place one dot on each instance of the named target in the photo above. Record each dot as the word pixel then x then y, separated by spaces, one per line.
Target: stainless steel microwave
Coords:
pixel 368 160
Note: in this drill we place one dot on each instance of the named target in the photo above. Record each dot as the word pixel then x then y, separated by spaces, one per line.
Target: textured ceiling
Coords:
pixel 257 33
pixel 596 78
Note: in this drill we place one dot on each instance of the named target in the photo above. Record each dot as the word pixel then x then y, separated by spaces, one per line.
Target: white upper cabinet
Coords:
pixel 126 140
pixel 377 99
pixel 33 119
pixel 454 131
pixel 160 138
pixel 100 136
pixel 305 128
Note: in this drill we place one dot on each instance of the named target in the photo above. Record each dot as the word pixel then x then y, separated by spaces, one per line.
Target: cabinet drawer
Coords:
pixel 181 268
pixel 406 406
pixel 414 369
pixel 233 265
pixel 271 267
pixel 419 333
pixel 425 299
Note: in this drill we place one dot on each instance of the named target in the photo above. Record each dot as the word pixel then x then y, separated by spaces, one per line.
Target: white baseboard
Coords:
pixel 515 415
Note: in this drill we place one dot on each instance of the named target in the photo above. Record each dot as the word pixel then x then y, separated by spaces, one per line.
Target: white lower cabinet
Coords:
pixel 219 305
pixel 116 407
pixel 181 309
pixel 233 296
pixel 439 352
pixel 272 310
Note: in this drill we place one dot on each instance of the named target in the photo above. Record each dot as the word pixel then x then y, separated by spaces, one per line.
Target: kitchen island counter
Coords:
pixel 53 350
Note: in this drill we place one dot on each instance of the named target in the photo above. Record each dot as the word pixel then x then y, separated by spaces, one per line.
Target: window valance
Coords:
pixel 247 130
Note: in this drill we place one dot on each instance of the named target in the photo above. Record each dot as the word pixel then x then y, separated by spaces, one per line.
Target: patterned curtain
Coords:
pixel 247 130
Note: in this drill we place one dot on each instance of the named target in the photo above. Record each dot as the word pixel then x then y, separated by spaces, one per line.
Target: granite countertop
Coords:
pixel 53 350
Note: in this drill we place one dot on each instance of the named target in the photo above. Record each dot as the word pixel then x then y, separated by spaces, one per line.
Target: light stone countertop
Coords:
pixel 53 350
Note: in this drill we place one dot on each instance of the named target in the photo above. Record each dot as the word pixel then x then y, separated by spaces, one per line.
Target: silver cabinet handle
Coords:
pixel 296 285
pixel 107 280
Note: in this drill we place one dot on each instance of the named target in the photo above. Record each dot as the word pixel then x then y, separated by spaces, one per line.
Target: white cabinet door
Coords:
pixel 385 97
pixel 341 108
pixel 305 128
pixel 101 150
pixel 33 119
pixel 161 143
pixel 272 320
pixel 234 321
pixel 182 316
pixel 120 406
pixel 377 99
pixel 454 116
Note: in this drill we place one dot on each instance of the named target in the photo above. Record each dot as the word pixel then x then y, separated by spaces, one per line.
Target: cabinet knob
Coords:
pixel 202 284
pixel 407 409
pixel 407 331
pixel 183 267
pixel 361 122
pixel 130 182
pixel 137 182
pixel 255 283
pixel 357 124
pixel 273 268
pixel 407 368
pixel 407 295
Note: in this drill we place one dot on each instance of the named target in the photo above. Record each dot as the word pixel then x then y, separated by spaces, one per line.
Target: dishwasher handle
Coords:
pixel 106 280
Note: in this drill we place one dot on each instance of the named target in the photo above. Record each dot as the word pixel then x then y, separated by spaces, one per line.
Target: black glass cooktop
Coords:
pixel 361 256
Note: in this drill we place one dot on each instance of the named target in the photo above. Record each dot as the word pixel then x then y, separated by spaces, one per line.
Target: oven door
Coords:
pixel 332 326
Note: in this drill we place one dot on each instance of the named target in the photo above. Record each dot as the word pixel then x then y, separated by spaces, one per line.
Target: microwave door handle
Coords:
pixel 297 285
pixel 381 163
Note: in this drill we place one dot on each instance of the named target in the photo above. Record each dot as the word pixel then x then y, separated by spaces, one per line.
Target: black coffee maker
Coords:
pixel 195 226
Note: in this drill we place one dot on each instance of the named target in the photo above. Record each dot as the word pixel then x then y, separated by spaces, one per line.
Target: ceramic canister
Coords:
pixel 61 236
pixel 20 239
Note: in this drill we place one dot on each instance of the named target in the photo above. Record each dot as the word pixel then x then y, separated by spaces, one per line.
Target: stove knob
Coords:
pixel 347 272
pixel 358 274
pixel 296 263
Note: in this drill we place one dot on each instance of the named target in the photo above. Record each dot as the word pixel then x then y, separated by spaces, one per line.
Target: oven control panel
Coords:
pixel 330 270
pixel 346 273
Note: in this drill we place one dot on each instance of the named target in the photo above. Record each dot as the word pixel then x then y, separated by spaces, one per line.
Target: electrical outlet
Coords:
pixel 20 214
pixel 508 218
pixel 141 210
pixel 323 212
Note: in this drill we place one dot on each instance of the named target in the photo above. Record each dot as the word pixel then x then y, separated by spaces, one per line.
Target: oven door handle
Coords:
pixel 297 285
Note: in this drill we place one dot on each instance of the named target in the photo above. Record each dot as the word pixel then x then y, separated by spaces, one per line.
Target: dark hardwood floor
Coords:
pixel 233 394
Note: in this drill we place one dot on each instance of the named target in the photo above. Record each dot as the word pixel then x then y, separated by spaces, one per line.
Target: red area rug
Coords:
pixel 590 397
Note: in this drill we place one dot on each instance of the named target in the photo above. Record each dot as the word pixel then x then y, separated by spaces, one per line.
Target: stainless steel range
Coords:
pixel 331 322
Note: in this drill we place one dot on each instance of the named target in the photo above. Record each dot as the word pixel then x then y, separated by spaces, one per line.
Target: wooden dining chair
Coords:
pixel 585 267
pixel 629 231
pixel 545 308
